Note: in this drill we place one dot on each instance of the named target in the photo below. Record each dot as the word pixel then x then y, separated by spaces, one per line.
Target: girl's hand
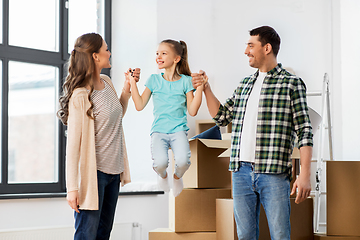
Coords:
pixel 132 75
pixel 73 200
pixel 135 73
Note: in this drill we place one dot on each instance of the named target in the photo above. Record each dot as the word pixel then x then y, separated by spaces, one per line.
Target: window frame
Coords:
pixel 35 56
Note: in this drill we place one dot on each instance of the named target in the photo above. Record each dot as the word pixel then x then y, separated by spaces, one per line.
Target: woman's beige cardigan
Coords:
pixel 81 170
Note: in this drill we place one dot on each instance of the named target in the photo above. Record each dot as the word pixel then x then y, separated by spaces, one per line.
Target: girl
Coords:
pixel 95 150
pixel 173 95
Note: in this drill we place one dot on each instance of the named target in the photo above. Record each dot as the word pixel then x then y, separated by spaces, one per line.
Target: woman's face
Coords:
pixel 102 58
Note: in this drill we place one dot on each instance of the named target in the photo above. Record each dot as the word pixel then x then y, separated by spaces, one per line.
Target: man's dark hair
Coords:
pixel 267 35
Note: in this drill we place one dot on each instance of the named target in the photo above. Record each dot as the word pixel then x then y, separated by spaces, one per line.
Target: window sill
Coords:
pixel 63 195
pixel 32 195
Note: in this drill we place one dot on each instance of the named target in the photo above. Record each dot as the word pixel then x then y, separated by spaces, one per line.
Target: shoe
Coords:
pixel 164 184
pixel 177 186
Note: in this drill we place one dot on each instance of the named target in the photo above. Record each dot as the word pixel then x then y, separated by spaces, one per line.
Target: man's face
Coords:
pixel 255 52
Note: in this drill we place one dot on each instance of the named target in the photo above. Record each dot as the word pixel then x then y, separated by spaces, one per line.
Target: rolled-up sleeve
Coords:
pixel 301 119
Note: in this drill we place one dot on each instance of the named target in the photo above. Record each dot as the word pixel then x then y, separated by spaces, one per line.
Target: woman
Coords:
pixel 96 159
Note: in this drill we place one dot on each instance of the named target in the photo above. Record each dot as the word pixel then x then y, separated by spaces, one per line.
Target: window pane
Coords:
pixel 0 121
pixel 1 25
pixel 85 16
pixel 34 24
pixel 32 123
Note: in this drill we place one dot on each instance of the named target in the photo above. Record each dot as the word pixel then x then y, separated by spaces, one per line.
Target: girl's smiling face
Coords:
pixel 166 57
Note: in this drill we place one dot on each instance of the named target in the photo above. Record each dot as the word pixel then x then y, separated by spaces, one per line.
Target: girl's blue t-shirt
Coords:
pixel 169 99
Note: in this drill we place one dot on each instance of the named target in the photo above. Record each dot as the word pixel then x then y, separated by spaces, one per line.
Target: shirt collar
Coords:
pixel 276 70
pixel 273 72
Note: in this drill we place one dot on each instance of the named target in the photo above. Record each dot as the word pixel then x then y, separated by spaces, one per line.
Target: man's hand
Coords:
pixel 199 79
pixel 302 183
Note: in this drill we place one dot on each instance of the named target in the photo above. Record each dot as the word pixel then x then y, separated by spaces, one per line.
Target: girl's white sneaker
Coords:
pixel 164 184
pixel 177 186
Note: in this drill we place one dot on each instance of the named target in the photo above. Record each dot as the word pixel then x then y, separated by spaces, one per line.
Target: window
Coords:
pixel 34 24
pixel 32 129
pixel 35 40
pixel 89 16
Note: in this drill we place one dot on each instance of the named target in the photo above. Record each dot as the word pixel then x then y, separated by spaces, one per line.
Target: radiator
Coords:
pixel 121 231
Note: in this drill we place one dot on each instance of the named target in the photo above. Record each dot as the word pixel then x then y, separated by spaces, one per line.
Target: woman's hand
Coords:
pixel 73 200
pixel 127 86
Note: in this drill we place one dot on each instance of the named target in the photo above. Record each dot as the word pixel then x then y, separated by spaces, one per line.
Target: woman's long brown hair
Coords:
pixel 81 68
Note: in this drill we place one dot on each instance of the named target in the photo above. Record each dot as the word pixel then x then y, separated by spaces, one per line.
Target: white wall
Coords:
pixel 349 113
pixel 216 32
pixel 148 210
pixel 134 28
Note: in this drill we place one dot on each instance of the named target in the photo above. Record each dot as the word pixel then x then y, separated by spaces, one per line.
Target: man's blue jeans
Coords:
pixel 272 191
pixel 97 224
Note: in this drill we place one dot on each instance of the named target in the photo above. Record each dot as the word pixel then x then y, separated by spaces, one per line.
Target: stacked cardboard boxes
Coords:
pixel 342 200
pixel 204 209
pixel 192 214
pixel 327 237
pixel 167 234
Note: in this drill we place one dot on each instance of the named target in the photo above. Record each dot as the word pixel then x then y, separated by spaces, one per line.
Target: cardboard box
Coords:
pixel 301 219
pixel 206 169
pixel 194 210
pixel 343 197
pixel 225 221
pixel 167 234
pixel 203 125
pixel 325 237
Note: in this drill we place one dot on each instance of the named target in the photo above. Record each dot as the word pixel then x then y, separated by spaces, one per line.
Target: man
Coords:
pixel 267 110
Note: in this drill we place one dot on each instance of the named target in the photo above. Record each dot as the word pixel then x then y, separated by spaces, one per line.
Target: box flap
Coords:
pixel 227 153
pixel 213 143
pixel 161 230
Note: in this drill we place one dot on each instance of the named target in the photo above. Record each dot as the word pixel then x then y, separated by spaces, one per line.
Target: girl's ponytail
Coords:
pixel 183 65
pixel 180 49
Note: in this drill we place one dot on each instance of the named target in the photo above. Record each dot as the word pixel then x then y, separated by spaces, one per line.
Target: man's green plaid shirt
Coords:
pixel 282 115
